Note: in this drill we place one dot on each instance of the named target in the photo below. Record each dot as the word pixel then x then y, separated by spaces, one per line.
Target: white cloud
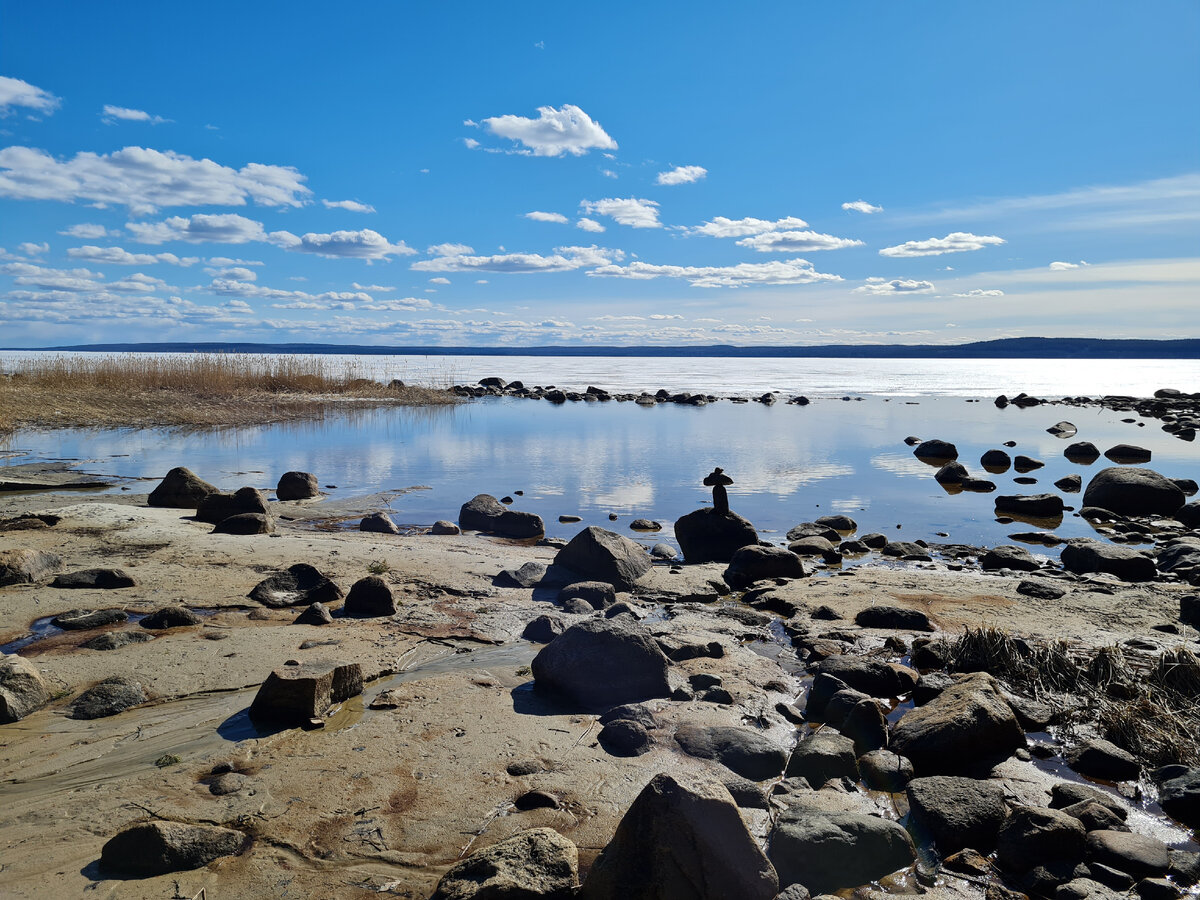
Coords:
pixel 794 271
pixel 15 92
pixel 364 244
pixel 896 287
pixel 662 316
pixel 564 259
pixel 229 287
pixel 539 216
pixel 979 292
pixel 31 249
pixel 955 242
pixel 439 280
pixel 471 143
pixel 554 132
pixel 681 175
pixel 233 273
pixel 408 304
pixel 145 180
pixel 590 225
pixel 137 283
pixel 221 228
pixel 796 242
pixel 88 232
pixel 113 114
pixel 450 250
pixel 227 261
pixel 722 227
pixel 349 205
pixel 1063 266
pixel 862 206
pixel 632 212
pixel 118 256
pixel 372 288
pixel 609 173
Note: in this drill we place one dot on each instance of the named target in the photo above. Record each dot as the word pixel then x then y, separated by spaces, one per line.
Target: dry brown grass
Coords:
pixel 194 390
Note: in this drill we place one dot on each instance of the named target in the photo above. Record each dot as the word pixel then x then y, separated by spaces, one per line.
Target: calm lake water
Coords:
pixel 789 464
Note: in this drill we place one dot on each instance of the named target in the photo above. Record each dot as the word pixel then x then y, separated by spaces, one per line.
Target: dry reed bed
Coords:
pixel 195 390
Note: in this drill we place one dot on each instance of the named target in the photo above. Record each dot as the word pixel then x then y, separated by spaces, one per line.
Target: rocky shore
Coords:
pixel 204 691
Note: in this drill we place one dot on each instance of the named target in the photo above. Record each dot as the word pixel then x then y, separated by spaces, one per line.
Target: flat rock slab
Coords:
pixel 740 750
pixel 42 477
pixel 83 619
pixel 103 579
pixel 156 848
pixel 293 695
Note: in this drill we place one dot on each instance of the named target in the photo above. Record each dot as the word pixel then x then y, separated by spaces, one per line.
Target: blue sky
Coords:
pixel 619 173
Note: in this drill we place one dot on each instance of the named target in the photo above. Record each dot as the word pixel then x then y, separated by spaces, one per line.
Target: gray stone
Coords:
pixel 543 629
pixel 538 863
pixel 935 450
pixel 1031 506
pixel 27 566
pixel 600 555
pixel 603 662
pixel 883 770
pixel 1033 836
pixel 101 579
pixel 83 619
pixel 1134 492
pixel 378 523
pixel 1084 556
pixel 838 523
pixel 299 584
pixel 297 486
pixel 824 755
pixel 109 697
pixel 442 527
pixel 484 512
pixel 1180 798
pixel 294 695
pixel 22 689
pixel 624 737
pixel 1127 453
pixel 1136 854
pixel 899 618
pixel 369 598
pixel 827 852
pixel 316 614
pixel 1040 590
pixel 1006 556
pixel 740 750
pixel 219 506
pixel 157 848
pixel 706 535
pixel 956 812
pixel 528 575
pixel 245 524
pixel 596 594
pixel 750 564
pixel 1082 452
pixel 663 551
pixel 873 677
pixel 170 617
pixel 1103 759
pixel 951 473
pixel 181 488
pixel 115 640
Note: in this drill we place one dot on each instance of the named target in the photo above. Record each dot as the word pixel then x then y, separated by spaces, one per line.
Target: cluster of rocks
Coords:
pixel 1178 411
pixel 494 386
pixel 244 511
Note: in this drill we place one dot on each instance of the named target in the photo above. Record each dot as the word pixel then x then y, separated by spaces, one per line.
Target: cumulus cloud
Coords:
pixel 471 143
pixel 881 287
pixel 450 250
pixel 118 256
pixel 372 288
pixel 794 271
pixel 71 280
pixel 539 216
pixel 439 280
pixel 722 227
pixel 15 92
pixel 862 206
pixel 220 228
pixel 980 292
pixel 365 244
pixel 233 273
pixel 590 225
pixel 796 242
pixel 564 259
pixel 110 115
pixel 632 212
pixel 88 232
pixel 554 132
pixel 955 242
pixel 144 180
pixel 349 206
pixel 681 175
pixel 231 287
pixel 1064 266
pixel 31 249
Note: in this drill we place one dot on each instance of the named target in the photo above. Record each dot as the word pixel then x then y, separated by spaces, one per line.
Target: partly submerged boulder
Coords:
pixel 751 564
pixel 1084 556
pixel 1134 492
pixel 297 486
pixel 603 662
pixel 483 512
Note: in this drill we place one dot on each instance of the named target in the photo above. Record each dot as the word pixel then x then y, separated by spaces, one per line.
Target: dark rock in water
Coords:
pixel 1032 506
pixel 1040 590
pixel 1069 793
pixel 912 440
pixel 603 662
pixel 1180 798
pixel 1136 854
pixel 294 695
pixel 907 550
pixel 296 585
pixel 970 721
pixel 883 770
pixel 894 617
pixel 936 450
pixel 485 513
pixel 1084 452
pixel 824 755
pixel 115 640
pixel 109 697
pixel 706 535
pixel 623 737
pixel 1006 556
pixel 442 527
pixel 1085 556
pixel 27 566
pixel 956 812
pixel 537 863
pixel 951 473
pixel 1026 463
pixel 369 598
pixel 838 523
pixel 645 525
pixel 813 529
pixel 245 523
pixel 1103 759
pixel 1024 480
pixel 1063 430
pixel 103 579
pixel 170 617
pixel 978 485
pixel 158 848
pixel 1134 492
pixel 1128 453
pixel 1034 836
pixel 682 837
pixel 82 619
pixel 596 594
pixel 1070 484
pixel 1189 515
pixel 22 689
pixel 750 564
pixel 875 540
pixel 297 486
pixel 181 489
pixel 378 523
pixel 543 629
pixel 995 461
pixel 1189 486
pixel 528 575
pixel 316 614
pixel 220 506
pixel 568 519
pixel 873 677
pixel 827 852
pixel 741 750
pixel 601 555
pixel 811 546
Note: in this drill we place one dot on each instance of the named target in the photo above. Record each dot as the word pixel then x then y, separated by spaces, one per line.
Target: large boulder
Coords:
pixel 1134 492
pixel 935 450
pixel 1138 855
pixel 1034 836
pixel 1030 506
pixel 297 486
pixel 596 594
pixel 378 523
pixel 1085 556
pixel 1180 798
pixel 874 677
pixel 1189 515
pixel 601 555
pixel 1098 758
pixel 22 689
pixel 157 847
pixel 831 851
pixel 181 489
pixel 483 512
pixel 537 863
pixel 299 584
pixel 968 722
pixel 218 506
pixel 109 697
pixel 369 598
pixel 245 523
pixel 823 756
pixel 707 535
pixel 1008 556
pixel 603 662
pixel 741 750
pixel 27 566
pixel 683 837
pixel 295 695
pixel 751 564
pixel 956 812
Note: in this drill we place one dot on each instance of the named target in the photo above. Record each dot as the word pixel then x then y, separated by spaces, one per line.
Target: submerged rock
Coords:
pixel 1134 492
pixel 484 512
pixel 83 619
pixel 1085 556
pixel 378 523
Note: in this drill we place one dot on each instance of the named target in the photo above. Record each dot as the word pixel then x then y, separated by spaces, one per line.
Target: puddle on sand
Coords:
pixel 44 628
